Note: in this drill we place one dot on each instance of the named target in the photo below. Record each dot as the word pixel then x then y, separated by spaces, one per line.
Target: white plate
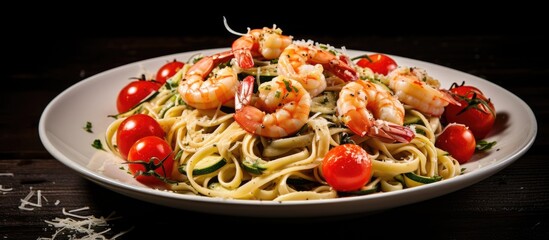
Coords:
pixel 61 131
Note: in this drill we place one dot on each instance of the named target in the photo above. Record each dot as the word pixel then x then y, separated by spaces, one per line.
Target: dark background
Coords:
pixel 50 24
pixel 48 21
pixel 47 33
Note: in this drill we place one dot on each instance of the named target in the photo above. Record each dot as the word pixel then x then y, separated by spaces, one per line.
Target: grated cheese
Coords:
pixel 74 226
pixel 82 227
pixel 2 188
pixel 25 201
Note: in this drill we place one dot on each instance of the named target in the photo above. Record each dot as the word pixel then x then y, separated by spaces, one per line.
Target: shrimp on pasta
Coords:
pixel 281 109
pixel 369 109
pixel 266 43
pixel 414 87
pixel 203 92
pixel 306 63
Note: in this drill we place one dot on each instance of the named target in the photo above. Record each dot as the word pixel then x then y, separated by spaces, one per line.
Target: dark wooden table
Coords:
pixel 512 204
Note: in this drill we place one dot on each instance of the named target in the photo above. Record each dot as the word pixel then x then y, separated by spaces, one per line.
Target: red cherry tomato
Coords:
pixel 476 110
pixel 458 141
pixel 347 167
pixel 134 93
pixel 379 63
pixel 151 148
pixel 465 89
pixel 168 70
pixel 133 128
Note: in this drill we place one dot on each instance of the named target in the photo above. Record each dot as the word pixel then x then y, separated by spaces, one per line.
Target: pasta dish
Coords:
pixel 260 121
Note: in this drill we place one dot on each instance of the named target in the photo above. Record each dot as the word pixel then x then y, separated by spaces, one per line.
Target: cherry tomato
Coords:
pixel 151 148
pixel 464 89
pixel 379 63
pixel 476 110
pixel 133 128
pixel 347 167
pixel 458 141
pixel 134 93
pixel 168 70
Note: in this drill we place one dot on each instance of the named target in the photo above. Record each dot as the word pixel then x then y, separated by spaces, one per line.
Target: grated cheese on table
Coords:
pixel 25 201
pixel 73 226
pixel 77 226
pixel 3 189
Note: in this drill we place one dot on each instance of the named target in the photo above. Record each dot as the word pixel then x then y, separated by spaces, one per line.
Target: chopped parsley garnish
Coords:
pixel 420 131
pixel 97 144
pixel 88 127
pixel 288 85
pixel 484 145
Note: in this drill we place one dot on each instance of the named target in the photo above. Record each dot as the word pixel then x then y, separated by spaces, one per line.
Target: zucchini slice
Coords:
pixel 255 166
pixel 411 119
pixel 413 180
pixel 207 165
pixel 365 190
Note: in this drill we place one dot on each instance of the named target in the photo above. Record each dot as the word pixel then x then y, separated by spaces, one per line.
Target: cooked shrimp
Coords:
pixel 369 109
pixel 414 87
pixel 266 43
pixel 203 92
pixel 306 62
pixel 281 108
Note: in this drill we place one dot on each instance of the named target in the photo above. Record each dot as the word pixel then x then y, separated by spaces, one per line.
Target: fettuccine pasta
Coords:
pixel 220 152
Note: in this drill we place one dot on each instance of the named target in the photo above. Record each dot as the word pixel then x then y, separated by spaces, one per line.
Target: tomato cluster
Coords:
pixel 134 128
pixel 140 138
pixel 468 122
pixel 475 110
pixel 136 91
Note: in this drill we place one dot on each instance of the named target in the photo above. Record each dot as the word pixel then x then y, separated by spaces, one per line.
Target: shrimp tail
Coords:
pixel 205 65
pixel 341 70
pixel 244 58
pixel 242 49
pixel 247 116
pixel 380 129
pixel 392 132
pixel 222 57
pixel 447 96
pixel 336 65
pixel 244 92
